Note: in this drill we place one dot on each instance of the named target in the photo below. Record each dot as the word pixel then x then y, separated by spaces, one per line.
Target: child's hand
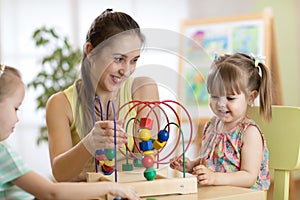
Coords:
pixel 177 164
pixel 124 191
pixel 205 176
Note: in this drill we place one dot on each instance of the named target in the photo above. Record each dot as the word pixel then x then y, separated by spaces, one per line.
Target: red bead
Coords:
pixel 106 168
pixel 147 161
pixel 146 123
pixel 100 157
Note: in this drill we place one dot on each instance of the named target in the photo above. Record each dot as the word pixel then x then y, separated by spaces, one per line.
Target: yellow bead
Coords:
pixel 109 163
pixel 150 152
pixel 158 145
pixel 145 134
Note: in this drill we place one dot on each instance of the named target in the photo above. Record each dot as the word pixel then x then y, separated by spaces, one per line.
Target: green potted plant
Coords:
pixel 59 69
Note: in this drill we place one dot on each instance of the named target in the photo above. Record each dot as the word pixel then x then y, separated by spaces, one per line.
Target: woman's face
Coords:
pixel 8 115
pixel 116 62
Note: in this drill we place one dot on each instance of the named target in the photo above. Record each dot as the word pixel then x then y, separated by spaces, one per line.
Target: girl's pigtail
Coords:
pixel 265 94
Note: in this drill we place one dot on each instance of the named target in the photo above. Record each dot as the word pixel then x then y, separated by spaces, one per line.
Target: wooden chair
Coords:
pixel 283 140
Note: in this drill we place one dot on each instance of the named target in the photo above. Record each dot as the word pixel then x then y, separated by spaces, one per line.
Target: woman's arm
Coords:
pixel 65 162
pixel 145 89
pixel 251 158
pixel 69 162
pixel 42 188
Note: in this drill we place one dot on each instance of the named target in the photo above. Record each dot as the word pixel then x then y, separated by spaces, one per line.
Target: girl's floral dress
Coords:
pixel 221 151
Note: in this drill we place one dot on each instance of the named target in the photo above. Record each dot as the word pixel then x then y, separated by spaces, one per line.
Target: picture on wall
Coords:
pixel 202 40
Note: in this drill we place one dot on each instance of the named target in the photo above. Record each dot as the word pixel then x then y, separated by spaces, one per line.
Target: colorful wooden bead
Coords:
pixel 109 162
pixel 101 157
pixel 137 163
pixel 107 170
pixel 163 135
pixel 158 145
pixel 150 174
pixel 145 134
pixel 109 153
pixel 148 161
pixel 146 145
pixel 146 123
pixel 150 152
pixel 127 167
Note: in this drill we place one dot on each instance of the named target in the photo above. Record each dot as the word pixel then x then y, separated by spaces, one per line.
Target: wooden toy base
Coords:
pixel 161 185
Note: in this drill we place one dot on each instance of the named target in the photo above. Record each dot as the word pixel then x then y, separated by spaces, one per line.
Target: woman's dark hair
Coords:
pixel 107 25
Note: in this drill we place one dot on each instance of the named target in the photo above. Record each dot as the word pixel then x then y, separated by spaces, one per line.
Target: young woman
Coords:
pixel 112 49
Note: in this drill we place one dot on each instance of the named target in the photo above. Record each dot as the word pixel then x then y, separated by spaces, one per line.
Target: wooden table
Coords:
pixel 217 193
pixel 182 188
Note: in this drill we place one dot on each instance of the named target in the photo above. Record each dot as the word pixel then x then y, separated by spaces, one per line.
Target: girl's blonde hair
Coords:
pixel 10 79
pixel 239 72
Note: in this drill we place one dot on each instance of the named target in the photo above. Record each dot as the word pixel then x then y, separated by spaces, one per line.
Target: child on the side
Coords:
pixel 17 180
pixel 233 150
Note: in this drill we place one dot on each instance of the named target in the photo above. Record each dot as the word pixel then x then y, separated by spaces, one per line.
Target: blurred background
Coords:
pixel 72 18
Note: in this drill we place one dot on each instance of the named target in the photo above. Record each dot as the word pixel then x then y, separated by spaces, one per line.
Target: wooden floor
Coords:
pixel 295 195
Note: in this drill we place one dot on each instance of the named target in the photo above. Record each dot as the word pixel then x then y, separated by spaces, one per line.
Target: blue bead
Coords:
pixel 146 145
pixel 163 136
pixel 100 151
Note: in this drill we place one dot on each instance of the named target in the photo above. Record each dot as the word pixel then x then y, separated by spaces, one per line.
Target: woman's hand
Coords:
pixel 102 136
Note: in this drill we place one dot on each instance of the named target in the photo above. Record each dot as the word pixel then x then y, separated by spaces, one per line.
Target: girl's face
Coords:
pixel 8 115
pixel 118 61
pixel 230 109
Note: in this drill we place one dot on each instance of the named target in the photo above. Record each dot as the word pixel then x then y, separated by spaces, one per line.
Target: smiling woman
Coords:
pixel 112 48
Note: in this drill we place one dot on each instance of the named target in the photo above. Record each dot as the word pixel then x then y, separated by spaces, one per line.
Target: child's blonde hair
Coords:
pixel 239 72
pixel 9 80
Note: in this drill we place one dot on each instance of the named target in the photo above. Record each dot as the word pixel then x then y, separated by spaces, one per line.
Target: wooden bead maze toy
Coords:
pixel 142 167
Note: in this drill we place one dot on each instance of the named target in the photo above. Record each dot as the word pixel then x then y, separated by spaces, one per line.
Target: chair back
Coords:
pixel 283 141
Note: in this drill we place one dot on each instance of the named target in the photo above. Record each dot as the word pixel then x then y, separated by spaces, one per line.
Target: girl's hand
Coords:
pixel 177 164
pixel 124 191
pixel 102 136
pixel 205 176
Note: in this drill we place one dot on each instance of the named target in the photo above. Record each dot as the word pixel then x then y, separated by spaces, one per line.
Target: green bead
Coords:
pixel 137 163
pixel 127 167
pixel 109 153
pixel 150 174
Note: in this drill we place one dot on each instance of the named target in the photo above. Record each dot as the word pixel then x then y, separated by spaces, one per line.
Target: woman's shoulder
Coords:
pixel 58 103
pixel 142 81
pixel 58 97
pixel 62 96
pixel 144 88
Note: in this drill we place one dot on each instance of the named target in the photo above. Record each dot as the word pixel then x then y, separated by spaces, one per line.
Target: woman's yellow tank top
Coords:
pixel 125 96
